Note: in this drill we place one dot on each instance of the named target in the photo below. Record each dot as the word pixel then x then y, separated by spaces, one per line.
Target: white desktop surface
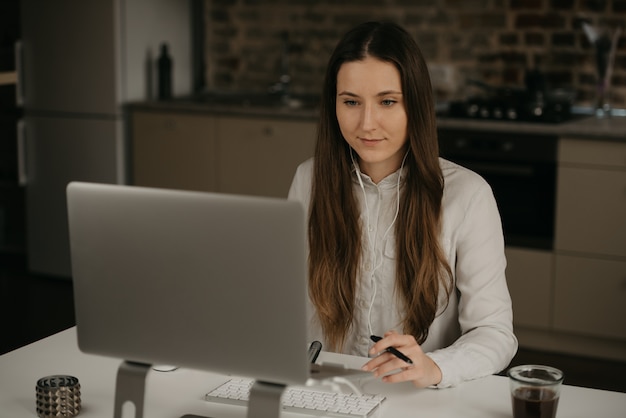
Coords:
pixel 173 394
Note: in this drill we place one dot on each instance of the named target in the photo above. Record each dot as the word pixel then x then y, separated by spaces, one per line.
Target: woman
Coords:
pixel 402 244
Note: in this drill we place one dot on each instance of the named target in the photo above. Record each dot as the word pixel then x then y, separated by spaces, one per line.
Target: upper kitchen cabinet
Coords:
pixel 81 62
pixel 68 51
pixel 90 57
pixel 260 156
pixel 591 197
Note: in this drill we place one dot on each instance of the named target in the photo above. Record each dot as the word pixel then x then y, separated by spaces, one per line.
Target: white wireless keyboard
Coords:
pixel 302 400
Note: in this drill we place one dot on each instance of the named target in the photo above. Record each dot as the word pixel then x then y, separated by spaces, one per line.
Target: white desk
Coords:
pixel 177 393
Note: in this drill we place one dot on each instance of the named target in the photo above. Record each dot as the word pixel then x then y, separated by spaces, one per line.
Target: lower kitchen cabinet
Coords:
pixel 260 156
pixel 590 296
pixel 174 150
pixel 529 277
pixel 206 152
pixel 590 274
pixel 587 281
pixel 592 211
pixel 591 197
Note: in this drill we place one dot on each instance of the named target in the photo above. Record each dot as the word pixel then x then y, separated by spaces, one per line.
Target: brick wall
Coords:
pixel 493 41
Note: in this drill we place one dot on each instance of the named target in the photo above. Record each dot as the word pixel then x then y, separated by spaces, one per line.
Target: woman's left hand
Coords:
pixel 423 372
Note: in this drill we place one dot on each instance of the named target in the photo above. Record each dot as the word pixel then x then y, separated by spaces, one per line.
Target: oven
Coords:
pixel 521 169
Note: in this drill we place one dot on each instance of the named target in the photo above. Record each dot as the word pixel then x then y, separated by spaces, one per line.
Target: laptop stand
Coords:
pixel 265 400
pixel 130 385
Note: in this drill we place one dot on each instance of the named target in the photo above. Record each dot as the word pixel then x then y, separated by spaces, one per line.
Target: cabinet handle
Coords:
pixel 169 124
pixel 268 131
pixel 21 153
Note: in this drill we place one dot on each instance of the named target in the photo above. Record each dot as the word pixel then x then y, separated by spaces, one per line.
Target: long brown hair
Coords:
pixel 334 228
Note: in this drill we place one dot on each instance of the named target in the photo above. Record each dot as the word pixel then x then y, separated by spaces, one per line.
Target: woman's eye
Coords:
pixel 350 102
pixel 388 102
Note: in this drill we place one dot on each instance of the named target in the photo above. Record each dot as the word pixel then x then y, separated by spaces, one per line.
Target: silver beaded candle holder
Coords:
pixel 58 396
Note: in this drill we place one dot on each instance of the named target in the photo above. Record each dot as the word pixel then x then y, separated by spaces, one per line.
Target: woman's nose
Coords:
pixel 368 118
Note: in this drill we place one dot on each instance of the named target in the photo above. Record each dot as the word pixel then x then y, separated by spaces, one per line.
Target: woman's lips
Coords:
pixel 370 141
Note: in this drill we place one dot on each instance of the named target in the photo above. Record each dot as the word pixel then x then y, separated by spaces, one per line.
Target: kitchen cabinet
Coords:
pixel 174 150
pixel 571 299
pixel 591 197
pixel 260 156
pixel 529 277
pixel 590 271
pixel 81 62
pixel 590 295
pixel 210 152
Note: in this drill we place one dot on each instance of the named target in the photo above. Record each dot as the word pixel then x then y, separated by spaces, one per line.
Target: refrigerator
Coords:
pixel 79 63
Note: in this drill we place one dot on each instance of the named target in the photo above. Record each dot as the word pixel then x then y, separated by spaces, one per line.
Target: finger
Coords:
pixel 403 375
pixel 393 339
pixel 391 365
pixel 377 361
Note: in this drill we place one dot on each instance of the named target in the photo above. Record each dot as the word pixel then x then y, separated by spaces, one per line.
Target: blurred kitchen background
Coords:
pixel 83 97
pixel 495 41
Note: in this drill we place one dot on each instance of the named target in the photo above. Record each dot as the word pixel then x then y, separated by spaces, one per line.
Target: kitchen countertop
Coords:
pixel 583 126
pixel 243 109
pixel 590 127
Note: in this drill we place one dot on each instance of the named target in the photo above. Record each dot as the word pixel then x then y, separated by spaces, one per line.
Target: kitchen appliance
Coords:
pixel 80 61
pixel 521 170
pixel 532 103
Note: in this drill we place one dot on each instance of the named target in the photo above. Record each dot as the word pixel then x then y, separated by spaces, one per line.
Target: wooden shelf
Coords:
pixel 9 77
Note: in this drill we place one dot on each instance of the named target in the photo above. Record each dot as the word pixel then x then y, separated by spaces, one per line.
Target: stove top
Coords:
pixel 540 111
pixel 514 106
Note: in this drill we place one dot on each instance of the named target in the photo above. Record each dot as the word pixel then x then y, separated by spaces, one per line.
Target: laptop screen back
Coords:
pixel 207 281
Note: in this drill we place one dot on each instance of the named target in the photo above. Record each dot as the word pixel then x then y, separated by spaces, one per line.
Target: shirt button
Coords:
pixel 368 266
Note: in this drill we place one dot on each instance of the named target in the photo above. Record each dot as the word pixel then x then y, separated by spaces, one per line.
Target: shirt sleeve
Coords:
pixel 300 188
pixel 487 342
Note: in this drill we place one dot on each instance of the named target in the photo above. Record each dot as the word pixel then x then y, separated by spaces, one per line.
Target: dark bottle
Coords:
pixel 164 69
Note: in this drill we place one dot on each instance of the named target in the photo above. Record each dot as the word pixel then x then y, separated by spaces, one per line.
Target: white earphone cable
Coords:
pixel 377 263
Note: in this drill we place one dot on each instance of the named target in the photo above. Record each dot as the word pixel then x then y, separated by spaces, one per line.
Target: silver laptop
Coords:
pixel 207 281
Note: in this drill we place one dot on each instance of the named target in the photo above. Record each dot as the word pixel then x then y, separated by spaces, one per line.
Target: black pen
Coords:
pixel 314 351
pixel 392 350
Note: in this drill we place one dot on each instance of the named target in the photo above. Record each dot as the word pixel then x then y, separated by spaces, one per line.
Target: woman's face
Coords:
pixel 371 115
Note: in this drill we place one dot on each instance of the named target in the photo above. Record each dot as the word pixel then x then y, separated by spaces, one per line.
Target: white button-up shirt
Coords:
pixel 472 336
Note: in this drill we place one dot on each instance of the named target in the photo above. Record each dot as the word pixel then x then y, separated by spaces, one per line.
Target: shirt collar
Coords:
pixel 389 182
